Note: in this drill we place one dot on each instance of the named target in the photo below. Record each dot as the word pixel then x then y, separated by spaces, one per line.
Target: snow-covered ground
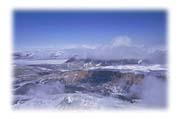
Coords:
pixel 52 96
pixel 35 61
pixel 143 68
pixel 38 86
pixel 74 101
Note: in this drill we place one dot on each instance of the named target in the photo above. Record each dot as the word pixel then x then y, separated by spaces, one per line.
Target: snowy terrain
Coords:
pixel 33 62
pixel 118 75
pixel 77 83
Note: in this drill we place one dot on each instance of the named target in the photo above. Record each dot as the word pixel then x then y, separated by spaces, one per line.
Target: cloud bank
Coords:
pixel 120 47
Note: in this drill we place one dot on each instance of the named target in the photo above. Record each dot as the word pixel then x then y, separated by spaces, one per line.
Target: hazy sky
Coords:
pixel 45 29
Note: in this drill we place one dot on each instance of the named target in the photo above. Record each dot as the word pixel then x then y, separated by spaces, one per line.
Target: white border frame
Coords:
pixel 6 22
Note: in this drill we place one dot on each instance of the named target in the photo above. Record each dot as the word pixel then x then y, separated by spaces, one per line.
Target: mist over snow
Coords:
pixel 120 47
pixel 154 91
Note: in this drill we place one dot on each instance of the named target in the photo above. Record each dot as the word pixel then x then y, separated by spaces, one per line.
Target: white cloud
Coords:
pixel 122 47
pixel 121 41
pixel 119 48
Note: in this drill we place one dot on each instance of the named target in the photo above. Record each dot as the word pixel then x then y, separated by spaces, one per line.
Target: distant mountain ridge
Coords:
pixel 94 55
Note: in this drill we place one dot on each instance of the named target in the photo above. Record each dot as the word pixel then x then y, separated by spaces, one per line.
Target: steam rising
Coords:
pixel 154 91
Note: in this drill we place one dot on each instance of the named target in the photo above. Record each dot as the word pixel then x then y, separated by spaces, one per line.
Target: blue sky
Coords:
pixel 47 29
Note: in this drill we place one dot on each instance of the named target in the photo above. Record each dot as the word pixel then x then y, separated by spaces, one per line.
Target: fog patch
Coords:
pixel 154 92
